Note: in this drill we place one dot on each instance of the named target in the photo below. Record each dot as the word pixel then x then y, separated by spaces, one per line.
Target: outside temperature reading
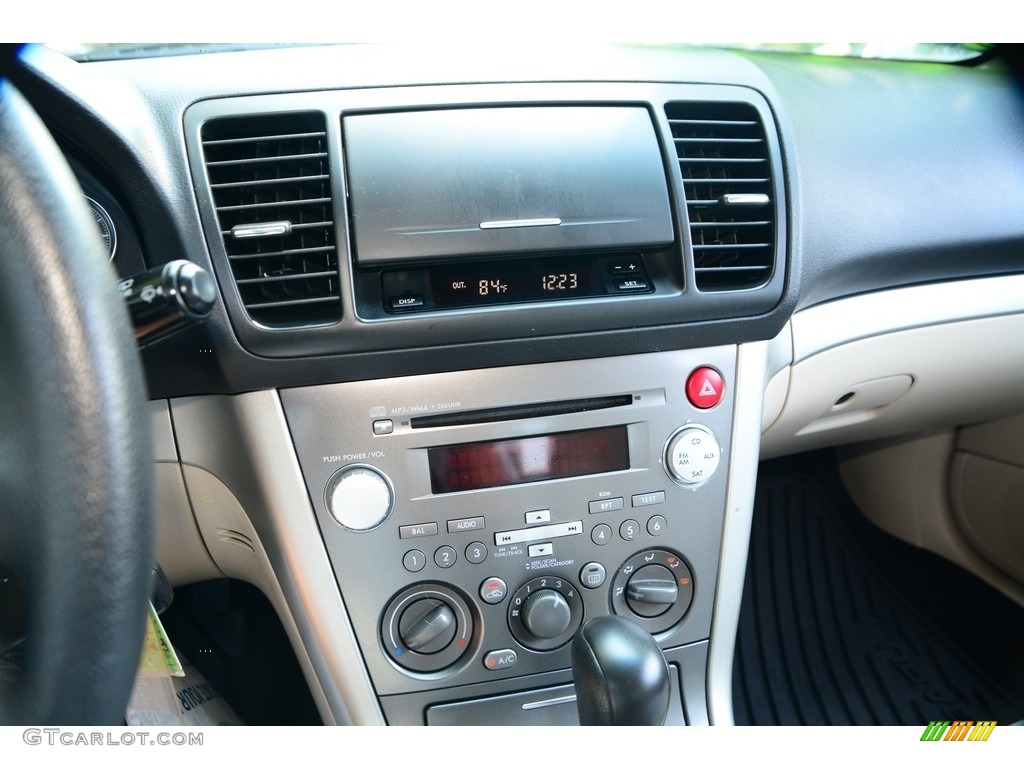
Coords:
pixel 485 287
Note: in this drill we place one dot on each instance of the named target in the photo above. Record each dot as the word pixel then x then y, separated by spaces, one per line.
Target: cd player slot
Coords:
pixel 515 412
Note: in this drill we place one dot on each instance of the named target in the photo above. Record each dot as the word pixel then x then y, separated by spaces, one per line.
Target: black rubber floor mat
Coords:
pixel 826 639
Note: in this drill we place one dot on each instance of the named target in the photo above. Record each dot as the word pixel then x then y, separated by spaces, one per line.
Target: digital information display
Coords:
pixel 530 280
pixel 490 464
pixel 513 280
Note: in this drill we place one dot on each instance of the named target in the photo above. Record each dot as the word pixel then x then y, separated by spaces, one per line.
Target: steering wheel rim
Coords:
pixel 76 523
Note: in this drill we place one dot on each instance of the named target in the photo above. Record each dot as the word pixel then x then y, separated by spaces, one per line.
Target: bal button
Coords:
pixel 705 387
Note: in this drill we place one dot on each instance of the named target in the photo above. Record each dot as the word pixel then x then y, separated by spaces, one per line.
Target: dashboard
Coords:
pixel 501 344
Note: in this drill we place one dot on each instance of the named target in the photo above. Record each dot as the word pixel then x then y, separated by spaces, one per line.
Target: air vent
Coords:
pixel 271 187
pixel 727 176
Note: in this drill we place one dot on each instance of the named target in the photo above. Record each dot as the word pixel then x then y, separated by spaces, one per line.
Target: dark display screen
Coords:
pixel 513 281
pixel 468 466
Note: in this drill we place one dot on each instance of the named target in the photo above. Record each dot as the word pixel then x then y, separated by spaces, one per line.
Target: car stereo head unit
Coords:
pixel 476 519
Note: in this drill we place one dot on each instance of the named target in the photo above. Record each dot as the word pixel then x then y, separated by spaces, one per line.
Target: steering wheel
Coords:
pixel 75 455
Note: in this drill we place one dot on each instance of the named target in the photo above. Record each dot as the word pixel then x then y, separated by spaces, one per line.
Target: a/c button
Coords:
pixel 501 659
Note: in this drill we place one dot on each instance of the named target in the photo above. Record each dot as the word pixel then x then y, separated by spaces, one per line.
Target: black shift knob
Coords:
pixel 620 674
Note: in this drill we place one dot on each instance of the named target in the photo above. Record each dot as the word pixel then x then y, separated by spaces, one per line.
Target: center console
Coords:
pixel 475 520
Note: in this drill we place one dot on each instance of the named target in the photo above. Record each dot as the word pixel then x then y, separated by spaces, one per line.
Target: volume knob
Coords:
pixel 359 497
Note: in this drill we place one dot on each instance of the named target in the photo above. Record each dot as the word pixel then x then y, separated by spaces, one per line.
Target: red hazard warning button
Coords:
pixel 705 387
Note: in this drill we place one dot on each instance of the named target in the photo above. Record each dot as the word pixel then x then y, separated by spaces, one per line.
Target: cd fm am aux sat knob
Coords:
pixel 692 455
pixel 359 497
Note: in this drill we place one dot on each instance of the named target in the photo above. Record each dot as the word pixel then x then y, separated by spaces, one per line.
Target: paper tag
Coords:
pixel 158 657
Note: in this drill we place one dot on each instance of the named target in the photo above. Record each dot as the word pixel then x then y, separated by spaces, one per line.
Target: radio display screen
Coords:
pixel 494 463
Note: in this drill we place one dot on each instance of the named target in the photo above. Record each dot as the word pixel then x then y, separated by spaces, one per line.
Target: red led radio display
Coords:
pixel 469 466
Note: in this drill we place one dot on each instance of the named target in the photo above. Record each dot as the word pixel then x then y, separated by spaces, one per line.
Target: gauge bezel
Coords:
pixel 103 217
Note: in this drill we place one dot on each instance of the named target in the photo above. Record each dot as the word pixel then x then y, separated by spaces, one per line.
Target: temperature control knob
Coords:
pixel 359 497
pixel 427 627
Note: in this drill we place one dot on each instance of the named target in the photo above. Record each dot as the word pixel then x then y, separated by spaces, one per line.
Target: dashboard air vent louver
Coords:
pixel 270 181
pixel 727 176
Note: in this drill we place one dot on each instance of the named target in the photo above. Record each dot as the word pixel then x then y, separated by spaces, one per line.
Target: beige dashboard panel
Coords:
pixel 900 383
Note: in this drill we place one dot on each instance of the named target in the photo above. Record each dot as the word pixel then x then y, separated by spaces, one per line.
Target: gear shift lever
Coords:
pixel 620 674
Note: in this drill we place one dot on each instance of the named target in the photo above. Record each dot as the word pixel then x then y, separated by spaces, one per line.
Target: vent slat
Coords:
pixel 292 303
pixel 737 123
pixel 275 254
pixel 724 163
pixel 702 224
pixel 274 170
pixel 260 182
pixel 717 141
pixel 274 137
pixel 729 179
pixel 733 159
pixel 728 246
pixel 713 270
pixel 306 225
pixel 279 278
pixel 275 204
pixel 255 160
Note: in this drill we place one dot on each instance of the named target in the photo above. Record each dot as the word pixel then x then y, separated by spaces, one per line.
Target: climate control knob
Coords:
pixel 654 588
pixel 427 628
pixel 651 591
pixel 545 613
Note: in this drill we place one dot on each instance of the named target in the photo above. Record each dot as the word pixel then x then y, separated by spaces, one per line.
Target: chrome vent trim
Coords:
pixel 727 177
pixel 271 191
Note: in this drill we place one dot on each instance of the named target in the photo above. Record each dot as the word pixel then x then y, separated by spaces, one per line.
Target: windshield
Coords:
pixel 937 52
